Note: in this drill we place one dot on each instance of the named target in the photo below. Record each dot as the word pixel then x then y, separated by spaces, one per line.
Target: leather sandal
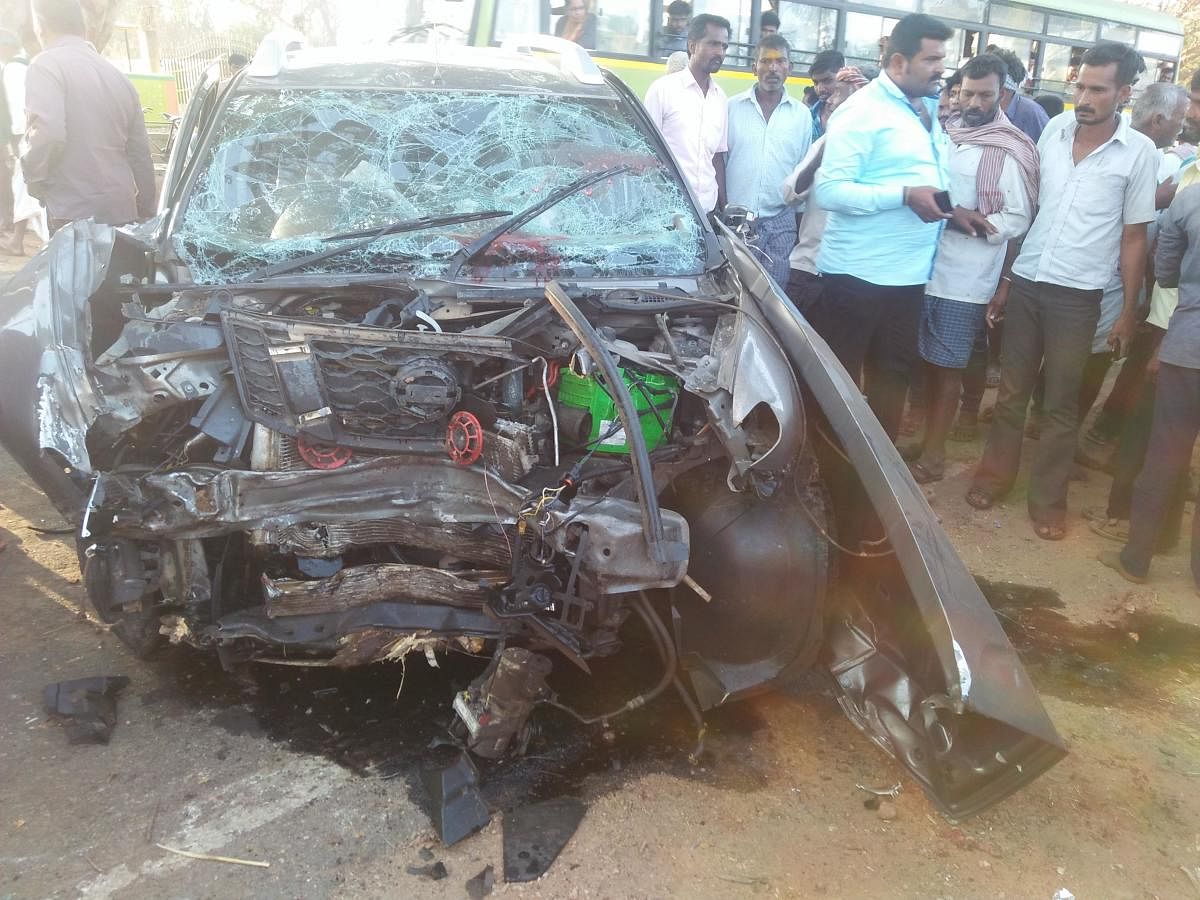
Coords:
pixel 980 499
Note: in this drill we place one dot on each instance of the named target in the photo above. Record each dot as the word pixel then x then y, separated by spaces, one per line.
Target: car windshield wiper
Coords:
pixel 467 253
pixel 359 239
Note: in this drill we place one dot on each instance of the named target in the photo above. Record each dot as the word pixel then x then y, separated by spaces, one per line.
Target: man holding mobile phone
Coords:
pixel 884 163
pixel 1102 172
pixel 992 197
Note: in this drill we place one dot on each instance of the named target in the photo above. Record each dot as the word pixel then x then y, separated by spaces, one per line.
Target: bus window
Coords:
pixel 516 17
pixel 865 35
pixel 1026 49
pixel 809 29
pixel 1020 17
pixel 623 26
pixel 1060 68
pixel 1115 31
pixel 741 42
pixel 960 48
pixel 902 5
pixel 1071 28
pixel 967 10
pixel 1164 70
pixel 1160 43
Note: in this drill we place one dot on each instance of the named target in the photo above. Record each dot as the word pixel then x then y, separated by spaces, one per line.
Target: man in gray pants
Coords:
pixel 1100 179
pixel 1176 370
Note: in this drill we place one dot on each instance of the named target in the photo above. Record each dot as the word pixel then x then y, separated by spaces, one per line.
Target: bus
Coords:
pixel 1050 37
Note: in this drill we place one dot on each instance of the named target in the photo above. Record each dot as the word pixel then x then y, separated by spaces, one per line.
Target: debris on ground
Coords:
pixel 751 880
pixel 1063 894
pixel 887 811
pixel 88 704
pixel 481 885
pixel 893 791
pixel 208 857
pixel 534 835
pixel 456 807
pixel 434 871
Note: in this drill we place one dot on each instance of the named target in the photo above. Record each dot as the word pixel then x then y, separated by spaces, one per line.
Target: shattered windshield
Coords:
pixel 289 168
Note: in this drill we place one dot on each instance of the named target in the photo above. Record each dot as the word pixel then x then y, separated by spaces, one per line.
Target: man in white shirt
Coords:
pixel 689 109
pixel 1102 176
pixel 993 188
pixel 768 135
pixel 25 212
pixel 9 44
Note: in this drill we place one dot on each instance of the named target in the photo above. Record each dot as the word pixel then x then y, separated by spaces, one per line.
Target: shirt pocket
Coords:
pixel 1099 197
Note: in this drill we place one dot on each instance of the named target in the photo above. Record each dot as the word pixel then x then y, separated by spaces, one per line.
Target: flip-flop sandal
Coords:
pixel 963 432
pixel 1113 529
pixel 980 499
pixel 925 474
pixel 1048 532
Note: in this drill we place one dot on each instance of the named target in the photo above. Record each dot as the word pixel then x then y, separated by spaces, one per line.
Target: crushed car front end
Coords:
pixel 422 357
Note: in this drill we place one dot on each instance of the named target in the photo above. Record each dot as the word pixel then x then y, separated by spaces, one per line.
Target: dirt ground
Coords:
pixel 315 773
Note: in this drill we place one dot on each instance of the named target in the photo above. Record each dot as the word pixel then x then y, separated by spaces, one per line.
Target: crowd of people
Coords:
pixel 916 216
pixel 73 142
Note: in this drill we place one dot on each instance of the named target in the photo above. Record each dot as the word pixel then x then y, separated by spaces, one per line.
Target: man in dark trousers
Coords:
pixel 1176 371
pixel 1099 178
pixel 88 155
pixel 884 164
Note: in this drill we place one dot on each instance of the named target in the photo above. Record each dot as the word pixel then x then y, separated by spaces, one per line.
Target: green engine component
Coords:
pixel 588 414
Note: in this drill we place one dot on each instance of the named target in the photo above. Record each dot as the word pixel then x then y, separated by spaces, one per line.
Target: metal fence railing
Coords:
pixel 190 61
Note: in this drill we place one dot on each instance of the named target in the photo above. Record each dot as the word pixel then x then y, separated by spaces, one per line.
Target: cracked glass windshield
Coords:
pixel 289 168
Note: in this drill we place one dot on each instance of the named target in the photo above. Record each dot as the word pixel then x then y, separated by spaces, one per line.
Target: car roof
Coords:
pixel 431 67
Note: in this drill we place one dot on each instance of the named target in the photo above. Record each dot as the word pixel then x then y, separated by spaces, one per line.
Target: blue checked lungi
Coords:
pixel 948 331
pixel 773 241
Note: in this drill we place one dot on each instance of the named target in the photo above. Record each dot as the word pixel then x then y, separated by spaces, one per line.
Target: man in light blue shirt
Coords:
pixel 768 136
pixel 885 166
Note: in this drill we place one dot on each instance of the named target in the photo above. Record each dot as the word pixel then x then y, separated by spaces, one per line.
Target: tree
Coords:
pixel 1188 12
pixel 100 15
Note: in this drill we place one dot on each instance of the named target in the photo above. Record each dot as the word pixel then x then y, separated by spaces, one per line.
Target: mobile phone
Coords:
pixel 942 199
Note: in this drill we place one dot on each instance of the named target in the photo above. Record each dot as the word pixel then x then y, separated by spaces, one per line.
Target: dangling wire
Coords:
pixel 550 403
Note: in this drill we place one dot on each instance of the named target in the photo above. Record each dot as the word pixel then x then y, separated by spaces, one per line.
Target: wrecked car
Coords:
pixel 431 351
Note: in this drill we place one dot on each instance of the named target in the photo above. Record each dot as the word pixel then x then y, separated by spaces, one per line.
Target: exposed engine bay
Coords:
pixel 356 475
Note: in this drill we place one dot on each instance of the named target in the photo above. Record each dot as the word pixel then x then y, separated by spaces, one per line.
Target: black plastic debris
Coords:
pixel 534 835
pixel 434 871
pixel 456 807
pixel 481 885
pixel 88 704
